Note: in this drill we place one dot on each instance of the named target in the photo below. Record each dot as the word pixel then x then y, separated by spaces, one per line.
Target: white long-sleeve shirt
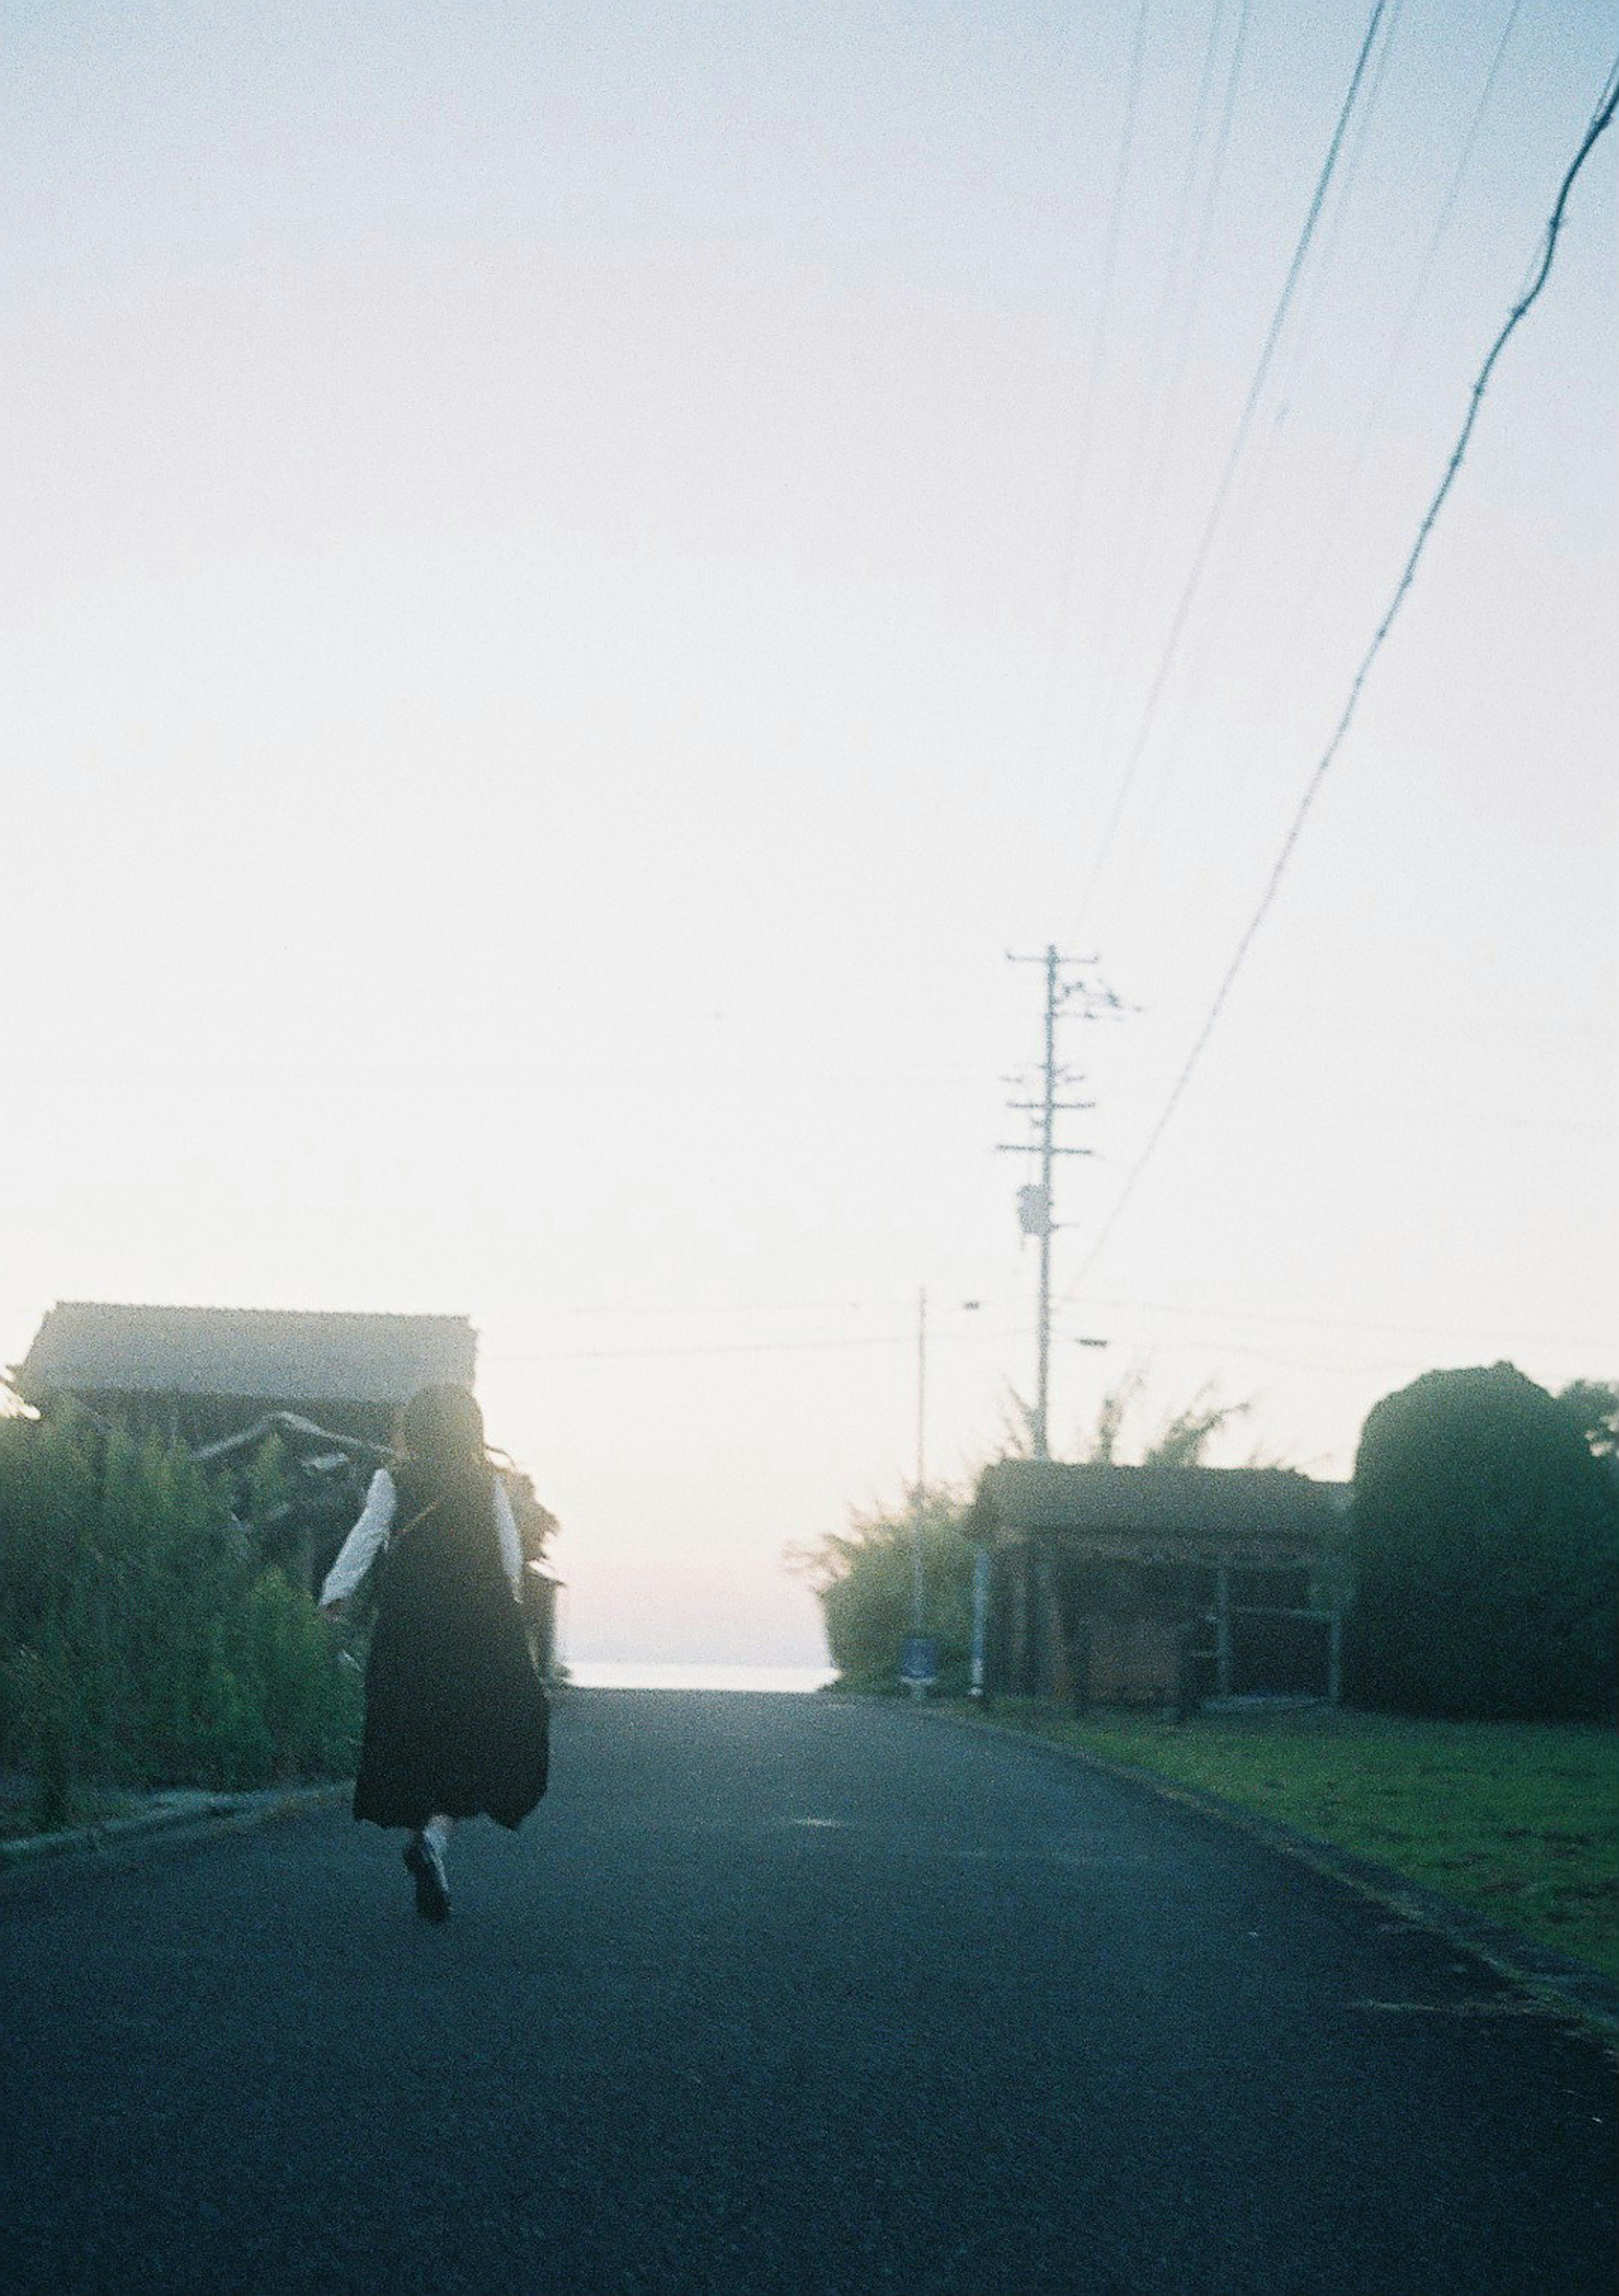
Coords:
pixel 359 1549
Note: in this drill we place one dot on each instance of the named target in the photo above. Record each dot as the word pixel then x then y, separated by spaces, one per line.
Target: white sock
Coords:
pixel 438 1834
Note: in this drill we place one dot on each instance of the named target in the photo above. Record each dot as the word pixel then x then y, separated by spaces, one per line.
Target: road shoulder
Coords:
pixel 1559 1982
pixel 165 1820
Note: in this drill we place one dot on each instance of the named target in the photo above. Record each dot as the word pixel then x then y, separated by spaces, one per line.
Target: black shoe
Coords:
pixel 425 1861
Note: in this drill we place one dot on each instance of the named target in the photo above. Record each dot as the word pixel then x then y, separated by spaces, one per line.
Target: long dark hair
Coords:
pixel 440 1430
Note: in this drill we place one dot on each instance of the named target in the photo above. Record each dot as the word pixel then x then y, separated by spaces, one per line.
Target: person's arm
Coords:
pixel 358 1550
pixel 512 1545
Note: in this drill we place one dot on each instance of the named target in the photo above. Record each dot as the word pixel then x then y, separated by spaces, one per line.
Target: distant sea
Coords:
pixel 647 1674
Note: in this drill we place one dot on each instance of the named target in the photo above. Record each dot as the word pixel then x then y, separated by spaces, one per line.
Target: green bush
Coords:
pixel 1485 1541
pixel 308 1705
pixel 143 1639
pixel 864 1579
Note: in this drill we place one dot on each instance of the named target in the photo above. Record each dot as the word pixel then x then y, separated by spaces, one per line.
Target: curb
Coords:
pixel 1562 1985
pixel 170 1819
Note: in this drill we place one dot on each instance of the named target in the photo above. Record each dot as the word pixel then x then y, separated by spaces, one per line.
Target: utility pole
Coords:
pixel 922 1460
pixel 1064 998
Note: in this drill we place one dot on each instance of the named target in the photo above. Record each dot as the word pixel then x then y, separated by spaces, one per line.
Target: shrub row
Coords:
pixel 144 1639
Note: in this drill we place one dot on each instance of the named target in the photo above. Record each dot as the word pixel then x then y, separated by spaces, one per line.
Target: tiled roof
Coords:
pixel 278 1355
pixel 1025 1495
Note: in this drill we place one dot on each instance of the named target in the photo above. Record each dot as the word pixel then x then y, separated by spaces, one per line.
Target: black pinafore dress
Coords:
pixel 455 1714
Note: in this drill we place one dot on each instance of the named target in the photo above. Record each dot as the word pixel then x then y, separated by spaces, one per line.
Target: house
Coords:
pixel 203 1374
pixel 324 1389
pixel 1125 1586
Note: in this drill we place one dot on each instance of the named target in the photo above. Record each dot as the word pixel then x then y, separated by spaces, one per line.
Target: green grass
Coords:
pixel 1517 1820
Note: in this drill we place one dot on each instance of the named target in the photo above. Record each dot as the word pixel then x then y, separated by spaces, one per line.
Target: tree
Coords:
pixel 1181 1441
pixel 1187 1433
pixel 1485 1548
pixel 1110 1419
pixel 863 1579
pixel 1594 1406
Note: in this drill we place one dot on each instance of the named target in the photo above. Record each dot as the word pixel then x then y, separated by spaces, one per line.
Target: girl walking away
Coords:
pixel 455 1714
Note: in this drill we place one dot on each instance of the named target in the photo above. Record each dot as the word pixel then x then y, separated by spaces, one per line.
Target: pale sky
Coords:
pixel 578 576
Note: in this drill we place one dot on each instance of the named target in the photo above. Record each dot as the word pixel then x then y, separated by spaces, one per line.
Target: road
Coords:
pixel 781 1997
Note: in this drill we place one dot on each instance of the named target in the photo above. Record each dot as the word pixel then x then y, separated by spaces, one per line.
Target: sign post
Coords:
pixel 918 1663
pixel 980 1619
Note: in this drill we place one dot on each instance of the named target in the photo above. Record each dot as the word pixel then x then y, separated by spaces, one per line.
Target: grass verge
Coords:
pixel 1519 1821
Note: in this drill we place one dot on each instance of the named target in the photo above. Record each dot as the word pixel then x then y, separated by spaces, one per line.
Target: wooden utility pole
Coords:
pixel 1064 999
pixel 919 1499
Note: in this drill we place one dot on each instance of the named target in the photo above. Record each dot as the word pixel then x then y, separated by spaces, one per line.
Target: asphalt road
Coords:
pixel 781 1997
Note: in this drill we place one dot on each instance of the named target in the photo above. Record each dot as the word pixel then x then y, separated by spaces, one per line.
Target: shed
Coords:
pixel 1142 1584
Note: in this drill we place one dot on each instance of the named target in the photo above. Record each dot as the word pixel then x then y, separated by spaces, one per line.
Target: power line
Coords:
pixel 1144 527
pixel 1540 273
pixel 1174 262
pixel 1341 199
pixel 1293 359
pixel 1200 556
pixel 1225 1311
pixel 1442 224
pixel 1291 365
pixel 1419 290
pixel 630 1309
pixel 747 1346
pixel 1335 1367
pixel 1331 525
pixel 1098 340
pixel 721 1348
pixel 1475 1333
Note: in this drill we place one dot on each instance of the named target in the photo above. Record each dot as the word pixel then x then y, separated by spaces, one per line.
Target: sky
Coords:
pixel 577 578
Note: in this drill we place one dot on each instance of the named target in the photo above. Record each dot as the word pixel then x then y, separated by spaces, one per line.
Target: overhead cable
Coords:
pixel 1330 544
pixel 906 1339
pixel 1301 336
pixel 1144 524
pixel 1260 375
pixel 1098 340
pixel 1601 120
pixel 1425 270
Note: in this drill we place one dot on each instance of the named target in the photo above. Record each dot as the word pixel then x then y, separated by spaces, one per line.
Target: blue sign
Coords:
pixel 918 1658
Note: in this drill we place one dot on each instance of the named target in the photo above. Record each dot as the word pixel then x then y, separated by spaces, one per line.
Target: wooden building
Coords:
pixel 324 1389
pixel 1151 1585
pixel 202 1374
